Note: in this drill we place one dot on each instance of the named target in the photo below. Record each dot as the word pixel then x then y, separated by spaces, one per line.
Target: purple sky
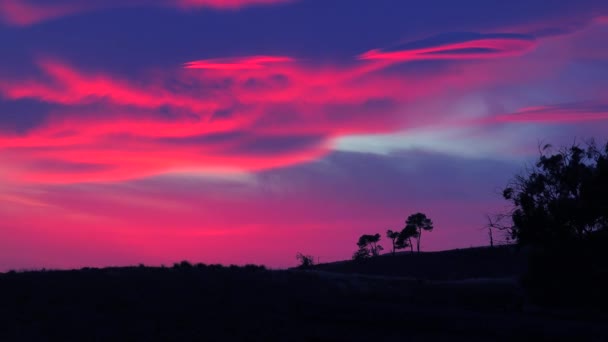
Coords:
pixel 245 131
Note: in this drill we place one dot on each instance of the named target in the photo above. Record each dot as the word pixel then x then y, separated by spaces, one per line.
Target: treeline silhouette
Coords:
pixel 369 245
pixel 414 226
pixel 201 302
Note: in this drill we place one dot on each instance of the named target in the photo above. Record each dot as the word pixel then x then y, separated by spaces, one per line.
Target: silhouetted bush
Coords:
pixel 184 265
pixel 252 267
pixel 305 261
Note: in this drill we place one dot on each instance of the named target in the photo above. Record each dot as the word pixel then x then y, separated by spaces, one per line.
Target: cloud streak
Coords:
pixel 162 128
pixel 563 113
pixel 29 12
pixel 456 46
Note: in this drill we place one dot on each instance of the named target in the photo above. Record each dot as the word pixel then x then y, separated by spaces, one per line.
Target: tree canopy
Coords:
pixel 405 237
pixel 368 247
pixel 562 198
pixel 393 236
pixel 560 210
pixel 418 222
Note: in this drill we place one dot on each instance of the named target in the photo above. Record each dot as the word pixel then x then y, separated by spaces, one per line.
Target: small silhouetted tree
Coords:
pixel 361 254
pixel 499 223
pixel 305 261
pixel 368 247
pixel 405 237
pixel 393 236
pixel 420 223
pixel 491 237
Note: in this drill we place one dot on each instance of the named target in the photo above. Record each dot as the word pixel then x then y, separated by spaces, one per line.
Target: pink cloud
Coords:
pixel 253 62
pixel 228 114
pixel 275 100
pixel 568 113
pixel 27 12
pixel 488 46
pixel 24 13
pixel 262 112
pixel 224 4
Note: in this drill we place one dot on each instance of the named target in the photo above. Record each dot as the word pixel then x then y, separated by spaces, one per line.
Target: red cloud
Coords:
pixel 217 114
pixel 27 12
pixel 254 62
pixel 223 4
pixel 249 114
pixel 556 114
pixel 24 13
pixel 490 46
pixel 70 86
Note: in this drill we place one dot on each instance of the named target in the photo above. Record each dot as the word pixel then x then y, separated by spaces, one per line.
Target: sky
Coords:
pixel 246 131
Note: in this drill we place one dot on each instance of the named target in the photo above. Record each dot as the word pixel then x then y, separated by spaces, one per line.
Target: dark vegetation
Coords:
pixel 560 212
pixel 305 261
pixel 214 303
pixel 548 283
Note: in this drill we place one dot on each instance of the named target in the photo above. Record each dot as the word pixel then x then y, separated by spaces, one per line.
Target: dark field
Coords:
pixel 214 303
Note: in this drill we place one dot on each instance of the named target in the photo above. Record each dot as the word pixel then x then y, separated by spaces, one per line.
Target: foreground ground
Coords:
pixel 213 303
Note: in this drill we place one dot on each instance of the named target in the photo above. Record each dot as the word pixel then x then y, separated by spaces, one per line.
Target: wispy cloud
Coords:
pixel 29 12
pixel 561 113
pixel 456 46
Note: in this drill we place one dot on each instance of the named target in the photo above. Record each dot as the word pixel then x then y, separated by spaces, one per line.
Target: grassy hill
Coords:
pixel 478 262
pixel 215 303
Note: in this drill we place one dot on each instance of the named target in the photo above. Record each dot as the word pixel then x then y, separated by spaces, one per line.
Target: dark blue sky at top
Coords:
pixel 130 41
pixel 127 38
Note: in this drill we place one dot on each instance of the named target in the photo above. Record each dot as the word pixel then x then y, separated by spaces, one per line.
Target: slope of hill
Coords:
pixel 477 262
pixel 214 303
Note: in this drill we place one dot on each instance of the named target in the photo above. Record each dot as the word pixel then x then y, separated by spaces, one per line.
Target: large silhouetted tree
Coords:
pixel 393 236
pixel 368 247
pixel 560 211
pixel 419 222
pixel 562 198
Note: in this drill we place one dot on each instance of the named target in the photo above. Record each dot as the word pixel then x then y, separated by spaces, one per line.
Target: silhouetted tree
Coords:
pixel 405 237
pixel 560 211
pixel 393 236
pixel 368 247
pixel 499 223
pixel 361 254
pixel 562 198
pixel 419 222
pixel 306 261
pixel 491 237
